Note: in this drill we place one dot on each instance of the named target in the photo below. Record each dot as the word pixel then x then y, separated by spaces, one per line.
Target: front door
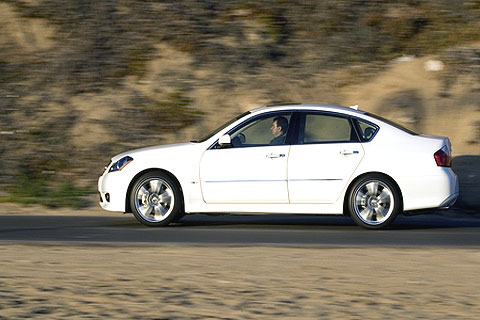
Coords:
pixel 253 169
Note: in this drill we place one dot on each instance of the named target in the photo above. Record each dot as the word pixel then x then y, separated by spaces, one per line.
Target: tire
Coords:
pixel 156 199
pixel 374 202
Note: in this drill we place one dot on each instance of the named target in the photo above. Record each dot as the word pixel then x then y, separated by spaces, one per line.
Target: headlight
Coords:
pixel 120 164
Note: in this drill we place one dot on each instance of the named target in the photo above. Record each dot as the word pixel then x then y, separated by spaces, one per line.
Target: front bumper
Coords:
pixel 112 191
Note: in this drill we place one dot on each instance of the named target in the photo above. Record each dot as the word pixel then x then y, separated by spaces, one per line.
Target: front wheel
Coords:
pixel 156 199
pixel 374 202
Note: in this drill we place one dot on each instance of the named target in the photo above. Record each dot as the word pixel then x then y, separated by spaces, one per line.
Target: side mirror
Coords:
pixel 225 140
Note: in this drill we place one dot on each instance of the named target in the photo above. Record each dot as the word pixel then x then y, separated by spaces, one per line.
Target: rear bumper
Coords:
pixel 450 201
pixel 430 191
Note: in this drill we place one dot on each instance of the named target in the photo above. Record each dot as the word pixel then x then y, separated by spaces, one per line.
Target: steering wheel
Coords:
pixel 239 140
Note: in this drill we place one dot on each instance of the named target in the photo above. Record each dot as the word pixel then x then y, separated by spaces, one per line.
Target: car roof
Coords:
pixel 309 106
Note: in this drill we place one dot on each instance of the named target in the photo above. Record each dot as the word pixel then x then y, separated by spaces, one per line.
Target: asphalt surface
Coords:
pixel 243 230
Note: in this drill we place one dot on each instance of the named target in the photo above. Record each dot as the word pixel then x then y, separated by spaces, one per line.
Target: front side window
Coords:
pixel 208 136
pixel 268 130
pixel 323 128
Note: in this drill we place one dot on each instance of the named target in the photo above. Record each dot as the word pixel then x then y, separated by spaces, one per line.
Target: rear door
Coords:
pixel 327 154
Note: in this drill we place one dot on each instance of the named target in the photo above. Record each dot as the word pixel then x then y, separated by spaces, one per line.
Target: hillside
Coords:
pixel 83 80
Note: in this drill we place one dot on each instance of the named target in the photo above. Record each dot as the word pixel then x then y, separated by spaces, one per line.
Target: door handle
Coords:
pixel 275 155
pixel 348 152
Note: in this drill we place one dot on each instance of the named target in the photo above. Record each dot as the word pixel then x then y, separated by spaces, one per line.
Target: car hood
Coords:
pixel 153 150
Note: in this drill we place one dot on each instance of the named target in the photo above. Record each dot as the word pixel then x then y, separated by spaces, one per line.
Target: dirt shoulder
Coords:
pixel 33 209
pixel 176 282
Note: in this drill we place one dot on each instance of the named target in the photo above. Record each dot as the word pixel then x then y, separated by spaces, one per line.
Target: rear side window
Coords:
pixel 366 130
pixel 323 128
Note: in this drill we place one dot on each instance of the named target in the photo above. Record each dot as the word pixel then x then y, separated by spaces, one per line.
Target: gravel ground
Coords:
pixel 178 282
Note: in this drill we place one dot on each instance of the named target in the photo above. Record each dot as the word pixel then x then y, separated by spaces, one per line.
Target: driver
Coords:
pixel 279 130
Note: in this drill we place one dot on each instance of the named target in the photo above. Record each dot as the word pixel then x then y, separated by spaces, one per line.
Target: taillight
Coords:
pixel 443 158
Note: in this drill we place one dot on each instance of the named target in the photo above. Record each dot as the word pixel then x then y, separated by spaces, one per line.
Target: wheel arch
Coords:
pixel 128 208
pixel 352 183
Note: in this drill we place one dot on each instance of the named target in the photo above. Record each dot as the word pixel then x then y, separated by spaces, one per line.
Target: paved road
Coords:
pixel 279 230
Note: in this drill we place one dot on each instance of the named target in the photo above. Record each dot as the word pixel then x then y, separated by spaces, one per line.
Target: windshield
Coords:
pixel 390 122
pixel 205 138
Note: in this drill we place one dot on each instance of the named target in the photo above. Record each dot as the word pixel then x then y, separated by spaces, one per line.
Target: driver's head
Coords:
pixel 279 126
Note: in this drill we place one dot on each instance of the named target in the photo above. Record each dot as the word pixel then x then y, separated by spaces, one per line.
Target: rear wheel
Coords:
pixel 374 202
pixel 156 199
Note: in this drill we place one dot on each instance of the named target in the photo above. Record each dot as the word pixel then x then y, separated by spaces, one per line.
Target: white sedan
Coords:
pixel 307 159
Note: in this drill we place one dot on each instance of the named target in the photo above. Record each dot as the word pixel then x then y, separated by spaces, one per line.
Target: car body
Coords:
pixel 331 160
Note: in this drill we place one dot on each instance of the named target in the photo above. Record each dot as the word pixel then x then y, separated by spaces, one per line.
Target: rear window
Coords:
pixel 390 122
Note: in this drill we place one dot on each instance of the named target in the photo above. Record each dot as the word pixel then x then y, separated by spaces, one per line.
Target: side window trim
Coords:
pixel 293 130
